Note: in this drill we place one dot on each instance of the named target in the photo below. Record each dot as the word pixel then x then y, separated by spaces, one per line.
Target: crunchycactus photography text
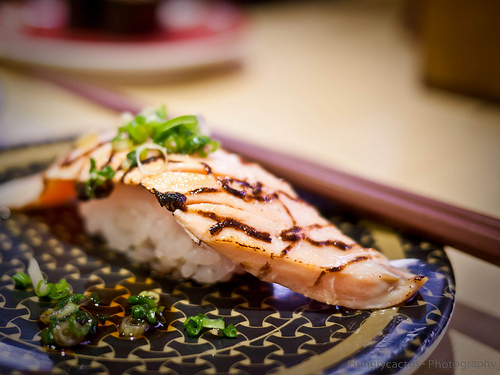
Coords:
pixel 468 366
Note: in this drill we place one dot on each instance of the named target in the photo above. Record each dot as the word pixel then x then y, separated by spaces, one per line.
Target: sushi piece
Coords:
pixel 166 195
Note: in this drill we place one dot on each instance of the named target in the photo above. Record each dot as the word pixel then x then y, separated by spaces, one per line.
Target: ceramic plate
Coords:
pixel 279 331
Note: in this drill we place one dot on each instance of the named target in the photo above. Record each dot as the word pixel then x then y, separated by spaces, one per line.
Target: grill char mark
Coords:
pixel 208 169
pixel 296 233
pixel 265 270
pixel 176 200
pixel 227 222
pixel 203 190
pixel 247 191
pixel 171 200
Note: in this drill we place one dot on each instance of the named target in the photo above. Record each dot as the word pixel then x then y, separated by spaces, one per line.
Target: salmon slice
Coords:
pixel 254 219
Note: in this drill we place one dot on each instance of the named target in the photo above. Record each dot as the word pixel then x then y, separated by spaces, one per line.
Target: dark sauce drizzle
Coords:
pixel 246 191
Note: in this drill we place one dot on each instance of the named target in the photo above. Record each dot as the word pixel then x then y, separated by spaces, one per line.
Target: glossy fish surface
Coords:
pixel 252 218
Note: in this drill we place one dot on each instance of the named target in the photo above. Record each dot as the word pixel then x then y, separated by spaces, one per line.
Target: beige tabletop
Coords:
pixel 338 83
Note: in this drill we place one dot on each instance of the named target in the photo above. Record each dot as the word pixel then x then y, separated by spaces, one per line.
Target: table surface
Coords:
pixel 338 83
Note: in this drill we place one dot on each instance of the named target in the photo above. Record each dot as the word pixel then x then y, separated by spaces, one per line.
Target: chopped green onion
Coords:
pixel 141 127
pixel 151 315
pixel 137 131
pixel 131 160
pixel 162 112
pixel 143 151
pixel 145 307
pixel 68 324
pixel 59 312
pixel 150 302
pixel 107 172
pixel 64 336
pixel 133 300
pixel 60 290
pixel 53 291
pixel 139 312
pixel 230 331
pixel 56 295
pixel 178 135
pixel 143 300
pixel 21 280
pixel 213 323
pixel 34 272
pixel 48 333
pixel 130 327
pixel 189 123
pixel 194 325
pixel 121 144
pixel 42 288
pixel 73 298
pixel 61 285
pixel 99 183
pixel 81 329
pixel 150 294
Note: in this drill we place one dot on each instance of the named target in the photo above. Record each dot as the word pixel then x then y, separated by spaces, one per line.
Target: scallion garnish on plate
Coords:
pixel 56 291
pixel 69 322
pixel 21 280
pixel 194 326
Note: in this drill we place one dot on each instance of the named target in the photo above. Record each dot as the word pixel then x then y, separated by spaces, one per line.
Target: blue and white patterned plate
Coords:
pixel 279 331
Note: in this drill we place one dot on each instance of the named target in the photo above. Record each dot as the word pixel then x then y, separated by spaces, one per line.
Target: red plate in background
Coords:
pixel 192 34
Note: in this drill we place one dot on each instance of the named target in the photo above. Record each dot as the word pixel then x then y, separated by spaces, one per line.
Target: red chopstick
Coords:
pixel 472 232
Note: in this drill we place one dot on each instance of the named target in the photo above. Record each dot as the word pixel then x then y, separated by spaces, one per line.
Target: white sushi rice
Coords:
pixel 133 223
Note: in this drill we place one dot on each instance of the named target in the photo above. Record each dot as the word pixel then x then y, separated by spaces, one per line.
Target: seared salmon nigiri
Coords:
pixel 232 212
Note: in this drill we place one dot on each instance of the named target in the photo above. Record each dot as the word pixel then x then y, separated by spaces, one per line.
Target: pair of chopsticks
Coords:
pixel 472 232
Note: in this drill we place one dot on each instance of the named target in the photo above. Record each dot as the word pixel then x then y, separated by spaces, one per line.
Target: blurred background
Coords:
pixel 403 92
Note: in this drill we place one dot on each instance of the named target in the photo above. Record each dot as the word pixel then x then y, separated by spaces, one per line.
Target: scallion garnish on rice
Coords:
pixel 99 183
pixel 177 135
pixel 142 152
pixel 150 131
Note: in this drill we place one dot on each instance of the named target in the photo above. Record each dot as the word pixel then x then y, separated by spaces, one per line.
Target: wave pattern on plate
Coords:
pixel 278 330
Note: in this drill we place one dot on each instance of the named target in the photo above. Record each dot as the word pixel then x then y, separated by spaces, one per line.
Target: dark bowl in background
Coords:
pixel 125 17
